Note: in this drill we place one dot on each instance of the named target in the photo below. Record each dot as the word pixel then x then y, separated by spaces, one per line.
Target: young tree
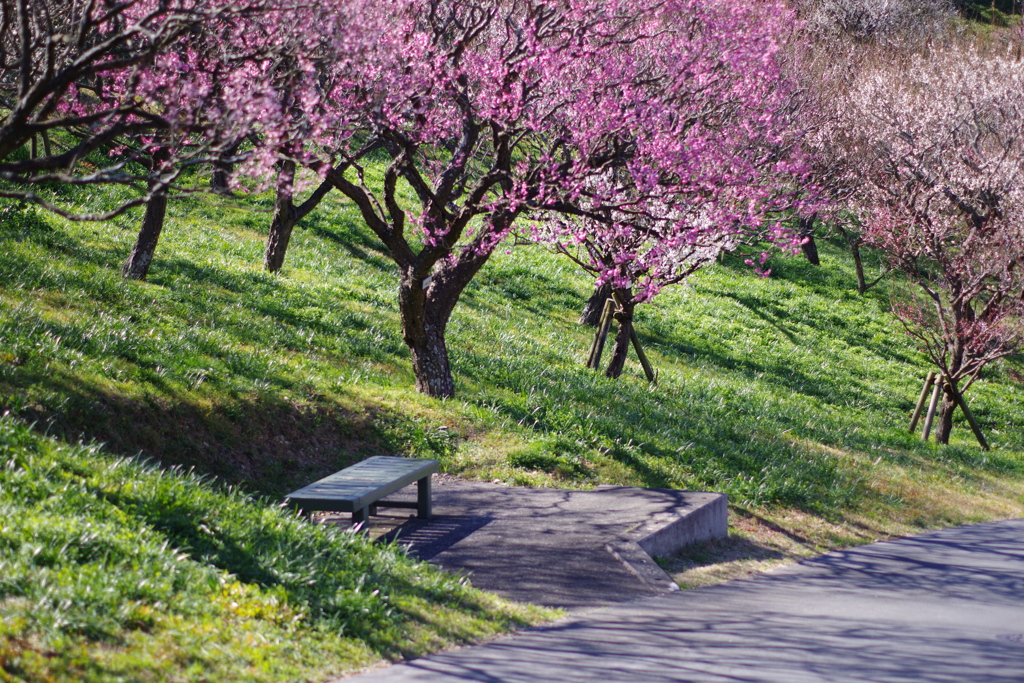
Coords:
pixel 935 143
pixel 494 110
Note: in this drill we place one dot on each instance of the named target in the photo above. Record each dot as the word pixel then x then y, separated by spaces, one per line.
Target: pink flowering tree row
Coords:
pixel 649 134
pixel 94 88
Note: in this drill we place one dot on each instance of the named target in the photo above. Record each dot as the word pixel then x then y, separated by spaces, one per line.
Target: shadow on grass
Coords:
pixel 261 442
pixel 698 438
pixel 782 374
pixel 769 313
pixel 360 244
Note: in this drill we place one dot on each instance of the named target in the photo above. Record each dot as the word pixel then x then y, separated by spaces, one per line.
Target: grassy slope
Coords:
pixel 115 570
pixel 791 394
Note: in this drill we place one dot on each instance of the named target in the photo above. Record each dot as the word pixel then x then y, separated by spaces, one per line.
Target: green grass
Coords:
pixel 268 380
pixel 112 569
pixel 791 394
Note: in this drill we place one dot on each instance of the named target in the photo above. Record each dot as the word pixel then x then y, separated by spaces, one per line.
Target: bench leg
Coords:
pixel 423 498
pixel 361 516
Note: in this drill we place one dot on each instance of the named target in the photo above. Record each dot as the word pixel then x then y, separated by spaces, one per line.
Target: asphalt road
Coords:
pixel 945 606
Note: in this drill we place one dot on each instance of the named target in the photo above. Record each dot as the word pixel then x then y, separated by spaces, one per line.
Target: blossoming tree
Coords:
pixel 603 114
pixel 135 93
pixel 936 148
pixel 716 161
pixel 88 86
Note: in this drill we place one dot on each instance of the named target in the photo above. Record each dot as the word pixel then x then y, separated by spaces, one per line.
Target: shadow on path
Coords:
pixel 947 606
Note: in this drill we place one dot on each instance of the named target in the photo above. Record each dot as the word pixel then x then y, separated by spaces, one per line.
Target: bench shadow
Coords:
pixel 427 538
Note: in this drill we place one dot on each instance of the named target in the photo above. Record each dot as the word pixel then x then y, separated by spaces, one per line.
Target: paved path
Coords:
pixel 573 549
pixel 946 606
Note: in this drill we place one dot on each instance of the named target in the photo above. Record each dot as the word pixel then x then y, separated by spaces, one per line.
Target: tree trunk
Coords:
pixel 810 250
pixel 809 247
pixel 862 285
pixel 280 234
pixel 423 324
pixel 287 215
pixel 136 267
pixel 624 317
pixel 222 171
pixel 219 178
pixel 284 219
pixel 425 303
pixel 430 364
pixel 591 314
pixel 945 422
pixel 854 242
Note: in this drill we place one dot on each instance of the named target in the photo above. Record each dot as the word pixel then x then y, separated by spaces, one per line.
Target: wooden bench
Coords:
pixel 359 489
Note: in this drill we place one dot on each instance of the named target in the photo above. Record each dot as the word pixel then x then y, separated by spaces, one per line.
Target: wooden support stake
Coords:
pixel 604 335
pixel 920 401
pixel 594 362
pixel 959 398
pixel 931 408
pixel 597 335
pixel 648 370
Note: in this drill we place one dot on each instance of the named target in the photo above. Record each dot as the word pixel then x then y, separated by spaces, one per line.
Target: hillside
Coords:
pixel 790 393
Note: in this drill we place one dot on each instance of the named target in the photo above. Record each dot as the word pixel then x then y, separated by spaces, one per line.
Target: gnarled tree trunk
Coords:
pixel 426 302
pixel 430 362
pixel 424 320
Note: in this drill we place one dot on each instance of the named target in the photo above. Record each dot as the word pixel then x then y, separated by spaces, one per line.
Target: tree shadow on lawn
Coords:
pixel 352 236
pixel 682 439
pixel 828 279
pixel 831 284
pixel 840 394
pixel 202 303
pixel 263 443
